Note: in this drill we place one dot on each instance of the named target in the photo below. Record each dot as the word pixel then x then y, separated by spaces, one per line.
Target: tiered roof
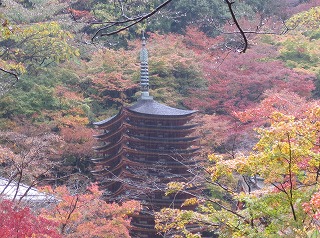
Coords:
pixel 145 146
pixel 152 108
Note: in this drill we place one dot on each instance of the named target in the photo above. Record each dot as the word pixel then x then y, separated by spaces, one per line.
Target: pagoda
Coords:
pixel 142 148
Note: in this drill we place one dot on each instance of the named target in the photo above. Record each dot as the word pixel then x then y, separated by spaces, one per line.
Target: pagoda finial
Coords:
pixel 144 72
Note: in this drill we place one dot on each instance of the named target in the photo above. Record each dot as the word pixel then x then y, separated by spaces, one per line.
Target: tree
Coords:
pixel 312 210
pixel 180 14
pixel 28 158
pixel 88 215
pixel 241 80
pixel 299 48
pixel 110 76
pixel 174 69
pixel 39 44
pixel 30 39
pixel 8 71
pixel 277 181
pixel 286 102
pixel 19 221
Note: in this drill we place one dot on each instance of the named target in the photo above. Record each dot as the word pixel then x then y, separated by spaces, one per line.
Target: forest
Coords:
pixel 65 64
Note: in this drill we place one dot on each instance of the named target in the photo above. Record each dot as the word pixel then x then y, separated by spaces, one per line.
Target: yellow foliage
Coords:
pixel 174 187
pixel 31 44
pixel 190 201
pixel 308 19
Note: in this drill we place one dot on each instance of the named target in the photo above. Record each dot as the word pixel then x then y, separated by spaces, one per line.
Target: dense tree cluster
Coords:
pixel 258 111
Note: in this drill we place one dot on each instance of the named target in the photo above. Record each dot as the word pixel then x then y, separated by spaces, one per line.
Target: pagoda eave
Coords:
pixel 177 140
pixel 109 135
pixel 161 151
pixel 109 146
pixel 190 127
pixel 106 160
pixel 110 121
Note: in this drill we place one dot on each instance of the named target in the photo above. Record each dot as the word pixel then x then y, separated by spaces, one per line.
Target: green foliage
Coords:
pixel 268 39
pixel 300 48
pixel 306 19
pixel 37 99
pixel 50 96
pixel 41 43
pixel 174 70
pixel 204 13
pixel 25 11
pixel 313 35
pixel 299 52
pixel 268 7
pixel 28 103
pixel 30 37
pixel 110 11
pixel 208 15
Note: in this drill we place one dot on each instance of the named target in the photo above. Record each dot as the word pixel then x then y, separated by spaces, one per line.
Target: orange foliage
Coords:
pixel 87 215
pixel 79 140
pixel 202 44
pixel 65 94
pixel 110 74
pixel 283 101
pixel 78 14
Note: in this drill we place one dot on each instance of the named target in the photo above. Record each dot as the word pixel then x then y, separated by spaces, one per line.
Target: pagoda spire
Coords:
pixel 144 72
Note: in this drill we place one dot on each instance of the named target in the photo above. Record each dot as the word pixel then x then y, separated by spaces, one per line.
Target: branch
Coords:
pixel 134 22
pixel 11 73
pixel 73 208
pixel 214 201
pixel 234 18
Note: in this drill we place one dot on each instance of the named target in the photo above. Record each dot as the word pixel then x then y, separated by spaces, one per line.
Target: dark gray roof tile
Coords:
pixel 151 107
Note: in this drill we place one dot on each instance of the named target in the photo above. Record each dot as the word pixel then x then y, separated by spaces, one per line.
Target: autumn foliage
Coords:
pixel 258 112
pixel 19 221
pixel 277 180
pixel 88 214
pixel 241 80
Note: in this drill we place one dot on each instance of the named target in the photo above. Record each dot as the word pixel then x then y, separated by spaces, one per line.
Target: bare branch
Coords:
pixel 134 22
pixel 234 18
pixel 11 73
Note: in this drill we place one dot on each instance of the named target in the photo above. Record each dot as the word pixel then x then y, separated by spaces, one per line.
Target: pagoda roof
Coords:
pixel 113 119
pixel 106 120
pixel 109 135
pixel 110 145
pixel 164 164
pixel 151 107
pixel 160 127
pixel 107 159
pixel 164 139
pixel 161 151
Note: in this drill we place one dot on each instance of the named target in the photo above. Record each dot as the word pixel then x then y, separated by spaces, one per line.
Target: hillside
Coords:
pixel 58 77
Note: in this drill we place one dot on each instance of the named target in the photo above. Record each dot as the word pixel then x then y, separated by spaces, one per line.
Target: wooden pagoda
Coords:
pixel 142 148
